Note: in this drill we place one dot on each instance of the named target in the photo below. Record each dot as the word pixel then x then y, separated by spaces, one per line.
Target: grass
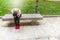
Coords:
pixel 45 7
pixel 49 8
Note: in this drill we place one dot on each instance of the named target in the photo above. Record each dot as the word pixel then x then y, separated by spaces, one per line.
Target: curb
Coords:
pixel 51 16
pixel 0 17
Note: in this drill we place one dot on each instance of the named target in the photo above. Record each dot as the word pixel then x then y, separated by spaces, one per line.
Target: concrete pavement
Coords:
pixel 49 29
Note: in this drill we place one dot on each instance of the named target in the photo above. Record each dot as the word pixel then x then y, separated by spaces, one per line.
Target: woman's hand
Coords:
pixel 18 15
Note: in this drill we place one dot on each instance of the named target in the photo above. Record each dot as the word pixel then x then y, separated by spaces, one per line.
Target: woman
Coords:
pixel 17 15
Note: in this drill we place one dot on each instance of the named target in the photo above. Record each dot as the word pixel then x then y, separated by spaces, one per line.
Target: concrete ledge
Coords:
pixel 0 16
pixel 5 18
pixel 24 17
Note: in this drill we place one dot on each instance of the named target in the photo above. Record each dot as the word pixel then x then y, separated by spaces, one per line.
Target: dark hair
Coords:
pixel 15 14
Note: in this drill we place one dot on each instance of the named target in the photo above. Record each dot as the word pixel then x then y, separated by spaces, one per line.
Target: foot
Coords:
pixel 17 27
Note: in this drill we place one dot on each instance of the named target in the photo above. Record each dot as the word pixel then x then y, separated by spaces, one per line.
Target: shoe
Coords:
pixel 17 27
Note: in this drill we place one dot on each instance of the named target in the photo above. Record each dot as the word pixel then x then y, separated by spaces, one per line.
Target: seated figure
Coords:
pixel 17 15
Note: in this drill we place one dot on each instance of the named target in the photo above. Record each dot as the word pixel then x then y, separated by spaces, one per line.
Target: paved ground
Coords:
pixel 49 29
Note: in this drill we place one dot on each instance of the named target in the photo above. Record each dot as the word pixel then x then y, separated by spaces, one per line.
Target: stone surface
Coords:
pixel 24 17
pixel 49 29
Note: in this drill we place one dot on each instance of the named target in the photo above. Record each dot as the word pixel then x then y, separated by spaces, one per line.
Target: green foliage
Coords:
pixel 49 7
pixel 45 7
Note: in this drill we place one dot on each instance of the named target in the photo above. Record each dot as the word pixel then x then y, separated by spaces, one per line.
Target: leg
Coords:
pixel 18 22
pixel 15 22
pixel 18 25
